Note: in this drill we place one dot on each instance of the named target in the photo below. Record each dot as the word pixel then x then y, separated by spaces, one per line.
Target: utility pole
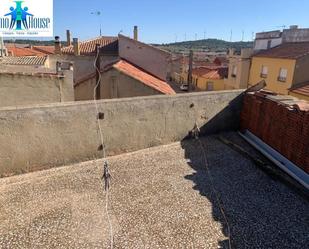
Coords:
pixel 243 36
pixel 190 71
pixel 98 71
pixel 231 37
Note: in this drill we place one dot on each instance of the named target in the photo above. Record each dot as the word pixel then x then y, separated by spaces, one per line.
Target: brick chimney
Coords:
pixel 57 45
pixel 76 46
pixel 69 43
pixel 135 33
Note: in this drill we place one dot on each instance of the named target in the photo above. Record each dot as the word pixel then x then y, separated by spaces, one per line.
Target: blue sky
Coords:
pixel 162 21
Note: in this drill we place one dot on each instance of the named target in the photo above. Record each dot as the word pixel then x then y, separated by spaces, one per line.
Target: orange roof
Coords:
pixel 45 49
pixel 88 47
pixel 302 89
pixel 136 73
pixel 19 51
pixel 144 77
pixel 211 73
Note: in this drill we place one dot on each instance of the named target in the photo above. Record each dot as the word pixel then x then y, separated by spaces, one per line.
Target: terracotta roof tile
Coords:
pixel 136 73
pixel 88 47
pixel 214 73
pixel 144 77
pixel 24 60
pixel 286 51
pixel 302 89
pixel 45 49
pixel 20 51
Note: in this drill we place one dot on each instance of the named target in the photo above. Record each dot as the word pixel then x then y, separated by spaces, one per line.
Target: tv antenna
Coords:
pixel 98 14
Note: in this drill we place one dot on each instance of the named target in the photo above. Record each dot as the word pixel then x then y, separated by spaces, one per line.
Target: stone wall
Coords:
pixel 59 134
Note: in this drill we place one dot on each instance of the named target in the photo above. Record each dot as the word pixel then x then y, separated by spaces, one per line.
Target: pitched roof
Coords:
pixel 302 89
pixel 88 47
pixel 286 51
pixel 24 60
pixel 136 73
pixel 21 51
pixel 143 76
pixel 45 49
pixel 211 73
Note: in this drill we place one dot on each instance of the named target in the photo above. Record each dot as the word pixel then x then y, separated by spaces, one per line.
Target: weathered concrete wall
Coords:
pixel 295 35
pixel 114 84
pixel 17 89
pixel 151 59
pixel 59 134
pixel 83 65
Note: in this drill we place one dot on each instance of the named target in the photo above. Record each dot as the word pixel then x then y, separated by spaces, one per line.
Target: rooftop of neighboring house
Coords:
pixel 293 50
pixel 88 47
pixel 160 197
pixel 44 49
pixel 24 60
pixel 214 73
pixel 137 73
pixel 18 51
pixel 302 89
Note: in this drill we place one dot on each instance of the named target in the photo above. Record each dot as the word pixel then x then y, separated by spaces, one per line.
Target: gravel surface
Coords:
pixel 160 198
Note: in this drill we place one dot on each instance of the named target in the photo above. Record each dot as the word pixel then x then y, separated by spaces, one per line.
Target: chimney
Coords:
pixel 57 45
pixel 190 78
pixel 135 33
pixel 69 38
pixel 76 46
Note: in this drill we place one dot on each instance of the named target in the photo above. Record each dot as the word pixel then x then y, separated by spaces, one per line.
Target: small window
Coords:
pixel 234 71
pixel 210 86
pixel 264 72
pixel 283 73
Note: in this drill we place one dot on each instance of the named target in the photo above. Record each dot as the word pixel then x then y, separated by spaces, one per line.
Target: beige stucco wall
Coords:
pixel 153 60
pixel 52 135
pixel 17 89
pixel 114 84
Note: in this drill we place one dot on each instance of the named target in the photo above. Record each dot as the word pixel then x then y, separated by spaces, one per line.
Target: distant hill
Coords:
pixel 204 45
pixel 33 42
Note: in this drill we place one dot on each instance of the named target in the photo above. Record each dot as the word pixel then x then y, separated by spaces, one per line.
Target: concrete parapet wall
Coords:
pixel 51 135
pixel 18 89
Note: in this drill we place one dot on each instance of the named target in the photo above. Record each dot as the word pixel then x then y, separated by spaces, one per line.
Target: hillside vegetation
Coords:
pixel 205 45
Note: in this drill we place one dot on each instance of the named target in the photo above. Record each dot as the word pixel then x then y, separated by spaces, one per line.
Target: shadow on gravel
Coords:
pixel 261 211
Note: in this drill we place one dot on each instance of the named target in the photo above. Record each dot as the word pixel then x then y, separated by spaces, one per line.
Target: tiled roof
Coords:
pixel 24 60
pixel 286 51
pixel 45 49
pixel 144 77
pixel 88 47
pixel 211 73
pixel 20 51
pixel 302 89
pixel 136 73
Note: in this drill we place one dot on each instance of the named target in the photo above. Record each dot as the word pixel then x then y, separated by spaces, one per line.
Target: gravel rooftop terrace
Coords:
pixel 160 198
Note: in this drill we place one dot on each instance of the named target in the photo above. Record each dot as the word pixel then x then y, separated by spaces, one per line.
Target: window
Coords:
pixel 282 74
pixel 264 72
pixel 268 44
pixel 210 86
pixel 234 71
